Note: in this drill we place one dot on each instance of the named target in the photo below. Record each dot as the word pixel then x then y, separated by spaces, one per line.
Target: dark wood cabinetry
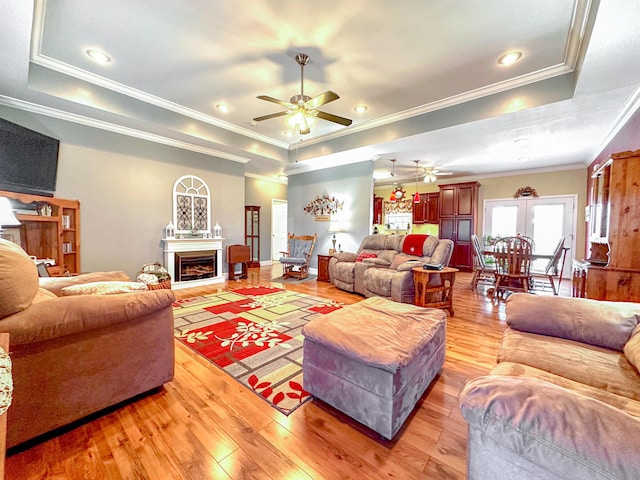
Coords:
pixel 458 217
pixel 55 235
pixel 252 234
pixel 323 267
pixel 612 271
pixel 377 210
pixel 428 209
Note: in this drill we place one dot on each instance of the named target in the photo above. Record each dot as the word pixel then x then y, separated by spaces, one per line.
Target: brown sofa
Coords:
pixel 76 355
pixel 387 272
pixel 563 401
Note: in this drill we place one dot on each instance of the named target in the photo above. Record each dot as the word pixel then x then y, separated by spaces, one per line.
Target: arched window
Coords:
pixel 191 205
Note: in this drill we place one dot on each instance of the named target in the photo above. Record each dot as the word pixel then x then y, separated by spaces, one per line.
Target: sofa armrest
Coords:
pixel 376 263
pixel 568 434
pixel 345 256
pixel 56 284
pixel 63 316
pixel 603 324
pixel 409 265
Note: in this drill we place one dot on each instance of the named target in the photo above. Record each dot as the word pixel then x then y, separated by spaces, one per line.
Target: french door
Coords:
pixel 278 228
pixel 544 219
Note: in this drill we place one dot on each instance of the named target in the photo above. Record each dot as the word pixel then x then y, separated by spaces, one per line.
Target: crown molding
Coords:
pixel 111 127
pixel 628 110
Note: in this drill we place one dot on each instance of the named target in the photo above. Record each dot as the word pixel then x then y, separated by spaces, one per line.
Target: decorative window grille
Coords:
pixel 191 205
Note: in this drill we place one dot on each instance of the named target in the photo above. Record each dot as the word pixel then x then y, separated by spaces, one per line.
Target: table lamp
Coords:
pixel 334 227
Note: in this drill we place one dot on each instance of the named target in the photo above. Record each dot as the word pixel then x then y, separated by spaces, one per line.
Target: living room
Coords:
pixel 123 174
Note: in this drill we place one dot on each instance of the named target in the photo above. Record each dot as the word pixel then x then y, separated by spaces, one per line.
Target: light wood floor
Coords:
pixel 206 425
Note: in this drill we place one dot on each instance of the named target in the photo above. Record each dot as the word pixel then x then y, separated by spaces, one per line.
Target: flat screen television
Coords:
pixel 28 160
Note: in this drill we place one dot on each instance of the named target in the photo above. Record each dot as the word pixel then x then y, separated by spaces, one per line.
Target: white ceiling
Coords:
pixel 427 71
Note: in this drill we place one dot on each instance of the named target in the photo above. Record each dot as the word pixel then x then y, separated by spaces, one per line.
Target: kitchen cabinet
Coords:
pixel 458 219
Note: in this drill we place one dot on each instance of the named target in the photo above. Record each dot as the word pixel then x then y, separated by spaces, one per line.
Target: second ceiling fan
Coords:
pixel 302 108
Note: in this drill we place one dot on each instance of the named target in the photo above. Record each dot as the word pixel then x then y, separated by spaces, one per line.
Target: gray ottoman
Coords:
pixel 373 360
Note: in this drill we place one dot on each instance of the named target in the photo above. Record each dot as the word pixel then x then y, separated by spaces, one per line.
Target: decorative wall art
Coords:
pixel 526 192
pixel 323 207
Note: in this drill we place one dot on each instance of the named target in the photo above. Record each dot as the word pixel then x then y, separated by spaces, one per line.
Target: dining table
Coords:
pixel 487 251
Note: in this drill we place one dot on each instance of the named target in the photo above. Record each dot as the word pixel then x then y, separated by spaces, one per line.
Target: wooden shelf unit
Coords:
pixel 54 237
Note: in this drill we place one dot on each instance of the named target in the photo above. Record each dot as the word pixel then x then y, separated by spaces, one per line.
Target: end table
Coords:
pixel 323 267
pixel 437 295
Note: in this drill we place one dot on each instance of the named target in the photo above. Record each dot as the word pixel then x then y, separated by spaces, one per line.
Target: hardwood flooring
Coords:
pixel 206 425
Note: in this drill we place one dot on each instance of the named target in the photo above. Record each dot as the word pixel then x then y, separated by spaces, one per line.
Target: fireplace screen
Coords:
pixel 195 265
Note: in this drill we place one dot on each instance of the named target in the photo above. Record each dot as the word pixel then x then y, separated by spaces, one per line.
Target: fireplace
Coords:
pixel 195 265
pixel 193 262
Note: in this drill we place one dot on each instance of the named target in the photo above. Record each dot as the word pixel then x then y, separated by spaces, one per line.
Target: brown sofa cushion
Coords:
pixel 598 367
pixel 56 284
pixel 604 324
pixel 18 279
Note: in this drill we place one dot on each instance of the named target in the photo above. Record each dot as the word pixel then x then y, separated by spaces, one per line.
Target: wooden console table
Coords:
pixel 437 295
pixel 323 267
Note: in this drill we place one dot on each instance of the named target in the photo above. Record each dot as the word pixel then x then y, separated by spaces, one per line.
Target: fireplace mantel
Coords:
pixel 173 245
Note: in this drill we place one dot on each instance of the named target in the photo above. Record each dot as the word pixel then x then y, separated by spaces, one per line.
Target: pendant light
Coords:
pixel 416 197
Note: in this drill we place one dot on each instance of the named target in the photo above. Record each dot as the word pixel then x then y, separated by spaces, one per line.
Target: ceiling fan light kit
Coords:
pixel 302 109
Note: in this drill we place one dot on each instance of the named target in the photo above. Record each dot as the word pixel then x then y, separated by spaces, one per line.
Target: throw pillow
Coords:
pixel 364 255
pixel 104 288
pixel 18 279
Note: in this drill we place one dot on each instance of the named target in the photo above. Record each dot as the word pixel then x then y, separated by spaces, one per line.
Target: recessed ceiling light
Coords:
pixel 223 107
pixel 98 56
pixel 288 133
pixel 360 108
pixel 509 58
pixel 253 123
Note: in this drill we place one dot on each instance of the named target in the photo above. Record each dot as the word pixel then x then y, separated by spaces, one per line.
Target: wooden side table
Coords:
pixel 436 295
pixel 323 267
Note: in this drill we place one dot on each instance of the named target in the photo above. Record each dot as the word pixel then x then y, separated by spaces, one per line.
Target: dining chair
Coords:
pixel 513 265
pixel 551 270
pixel 483 272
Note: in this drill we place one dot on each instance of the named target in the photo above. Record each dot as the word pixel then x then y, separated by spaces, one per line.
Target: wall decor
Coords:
pixel 526 192
pixel 323 207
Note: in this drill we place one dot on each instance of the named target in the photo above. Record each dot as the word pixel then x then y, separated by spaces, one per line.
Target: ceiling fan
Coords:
pixel 431 174
pixel 302 108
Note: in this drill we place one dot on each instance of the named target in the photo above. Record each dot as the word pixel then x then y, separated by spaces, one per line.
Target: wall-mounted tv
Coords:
pixel 28 160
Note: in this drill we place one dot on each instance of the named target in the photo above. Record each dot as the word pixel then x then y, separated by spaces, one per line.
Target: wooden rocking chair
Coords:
pixel 295 261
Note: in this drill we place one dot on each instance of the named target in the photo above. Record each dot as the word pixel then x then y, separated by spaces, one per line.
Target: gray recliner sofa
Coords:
pixel 386 270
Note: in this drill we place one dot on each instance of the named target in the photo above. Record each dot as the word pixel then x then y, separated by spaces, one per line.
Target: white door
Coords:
pixel 544 219
pixel 278 228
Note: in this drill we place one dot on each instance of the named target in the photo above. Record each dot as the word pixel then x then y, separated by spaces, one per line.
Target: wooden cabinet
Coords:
pixel 427 210
pixel 323 267
pixel 613 269
pixel 54 235
pixel 252 234
pixel 377 210
pixel 458 217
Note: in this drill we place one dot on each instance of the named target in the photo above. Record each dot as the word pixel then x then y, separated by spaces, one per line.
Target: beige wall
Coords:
pixel 565 182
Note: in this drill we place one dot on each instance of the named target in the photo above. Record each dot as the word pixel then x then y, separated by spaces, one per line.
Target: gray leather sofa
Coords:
pixel 563 401
pixel 387 272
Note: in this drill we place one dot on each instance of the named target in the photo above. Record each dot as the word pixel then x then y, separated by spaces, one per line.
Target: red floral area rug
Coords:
pixel 253 334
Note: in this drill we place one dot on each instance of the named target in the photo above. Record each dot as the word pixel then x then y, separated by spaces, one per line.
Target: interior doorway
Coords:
pixel 278 228
pixel 544 219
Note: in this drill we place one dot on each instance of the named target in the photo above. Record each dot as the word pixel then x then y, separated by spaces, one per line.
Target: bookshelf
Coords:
pixel 47 233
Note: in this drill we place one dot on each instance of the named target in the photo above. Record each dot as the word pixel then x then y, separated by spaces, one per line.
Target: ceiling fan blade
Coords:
pixel 267 117
pixel 443 173
pixel 275 100
pixel 334 118
pixel 321 99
